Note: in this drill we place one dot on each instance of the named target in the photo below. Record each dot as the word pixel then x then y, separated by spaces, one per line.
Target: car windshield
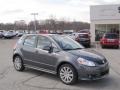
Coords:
pixel 111 36
pixel 66 43
pixel 9 32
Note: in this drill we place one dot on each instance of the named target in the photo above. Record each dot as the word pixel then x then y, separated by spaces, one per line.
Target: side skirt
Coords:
pixel 40 69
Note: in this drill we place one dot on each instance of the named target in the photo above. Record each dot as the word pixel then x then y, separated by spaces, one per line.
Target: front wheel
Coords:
pixel 18 63
pixel 68 74
pixel 103 46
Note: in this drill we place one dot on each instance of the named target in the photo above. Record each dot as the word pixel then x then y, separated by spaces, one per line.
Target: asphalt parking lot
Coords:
pixel 10 79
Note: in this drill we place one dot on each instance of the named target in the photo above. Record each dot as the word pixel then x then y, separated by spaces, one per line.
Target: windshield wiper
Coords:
pixel 73 49
pixel 67 49
pixel 77 48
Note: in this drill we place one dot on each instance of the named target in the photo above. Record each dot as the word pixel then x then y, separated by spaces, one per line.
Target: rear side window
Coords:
pixel 29 41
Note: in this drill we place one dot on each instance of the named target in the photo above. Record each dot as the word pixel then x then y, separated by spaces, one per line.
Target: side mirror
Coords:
pixel 49 48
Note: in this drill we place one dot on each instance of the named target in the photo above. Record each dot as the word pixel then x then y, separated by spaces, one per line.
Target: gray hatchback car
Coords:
pixel 60 55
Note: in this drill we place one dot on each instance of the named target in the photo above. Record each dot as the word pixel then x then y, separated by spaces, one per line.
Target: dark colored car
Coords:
pixel 60 55
pixel 110 40
pixel 84 39
pixel 1 34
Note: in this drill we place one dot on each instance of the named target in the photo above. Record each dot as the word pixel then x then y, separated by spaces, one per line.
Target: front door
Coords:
pixel 45 59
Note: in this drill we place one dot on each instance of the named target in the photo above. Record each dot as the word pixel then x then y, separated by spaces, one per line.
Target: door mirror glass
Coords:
pixel 44 43
pixel 48 48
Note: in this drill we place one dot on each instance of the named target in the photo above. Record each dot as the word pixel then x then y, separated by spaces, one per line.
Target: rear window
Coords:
pixel 83 35
pixel 29 41
pixel 111 36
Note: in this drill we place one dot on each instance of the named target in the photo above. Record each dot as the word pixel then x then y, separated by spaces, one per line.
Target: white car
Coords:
pixel 9 34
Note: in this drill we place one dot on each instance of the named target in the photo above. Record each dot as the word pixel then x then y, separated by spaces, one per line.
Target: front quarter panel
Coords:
pixel 65 57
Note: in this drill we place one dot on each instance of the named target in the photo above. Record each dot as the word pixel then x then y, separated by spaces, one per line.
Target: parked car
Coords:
pixel 83 38
pixel 68 32
pixel 85 31
pixel 1 34
pixel 57 33
pixel 20 33
pixel 110 40
pixel 9 34
pixel 60 55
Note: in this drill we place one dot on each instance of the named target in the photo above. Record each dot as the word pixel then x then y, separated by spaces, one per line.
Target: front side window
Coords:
pixel 29 41
pixel 43 42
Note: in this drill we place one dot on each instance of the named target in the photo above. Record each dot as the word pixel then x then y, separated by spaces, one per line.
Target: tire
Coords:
pixel 103 46
pixel 18 63
pixel 116 47
pixel 89 45
pixel 68 74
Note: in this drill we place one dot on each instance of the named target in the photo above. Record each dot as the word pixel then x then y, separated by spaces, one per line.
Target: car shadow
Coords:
pixel 106 82
pixel 33 71
pixel 111 48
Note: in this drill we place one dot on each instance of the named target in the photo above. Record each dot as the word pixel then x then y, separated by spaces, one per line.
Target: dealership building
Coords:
pixel 104 18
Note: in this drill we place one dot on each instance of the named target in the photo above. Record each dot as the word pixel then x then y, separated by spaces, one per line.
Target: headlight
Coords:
pixel 85 62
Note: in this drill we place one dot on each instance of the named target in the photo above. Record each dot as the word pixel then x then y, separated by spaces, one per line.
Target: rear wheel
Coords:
pixel 103 46
pixel 18 63
pixel 116 47
pixel 68 74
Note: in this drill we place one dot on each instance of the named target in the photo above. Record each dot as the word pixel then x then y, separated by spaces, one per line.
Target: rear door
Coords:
pixel 28 50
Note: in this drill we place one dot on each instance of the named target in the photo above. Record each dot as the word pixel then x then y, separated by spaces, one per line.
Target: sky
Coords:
pixel 79 10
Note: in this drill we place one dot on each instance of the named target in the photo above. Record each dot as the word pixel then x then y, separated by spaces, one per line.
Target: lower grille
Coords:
pixel 104 73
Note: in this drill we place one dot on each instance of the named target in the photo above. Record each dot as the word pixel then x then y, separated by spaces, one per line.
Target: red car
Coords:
pixel 110 39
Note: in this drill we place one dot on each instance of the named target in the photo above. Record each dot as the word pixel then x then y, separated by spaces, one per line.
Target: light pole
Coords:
pixel 35 14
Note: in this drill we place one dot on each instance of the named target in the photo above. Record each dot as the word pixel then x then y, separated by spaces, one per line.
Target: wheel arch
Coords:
pixel 62 63
pixel 16 55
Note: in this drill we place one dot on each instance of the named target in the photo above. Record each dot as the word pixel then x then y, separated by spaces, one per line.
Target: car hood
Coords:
pixel 7 34
pixel 90 55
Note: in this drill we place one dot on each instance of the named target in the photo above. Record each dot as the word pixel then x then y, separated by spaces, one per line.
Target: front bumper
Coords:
pixel 93 73
pixel 110 44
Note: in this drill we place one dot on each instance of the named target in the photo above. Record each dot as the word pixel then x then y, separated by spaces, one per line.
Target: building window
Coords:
pixel 100 29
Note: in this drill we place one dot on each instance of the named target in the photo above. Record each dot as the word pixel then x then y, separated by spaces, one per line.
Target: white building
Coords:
pixel 104 18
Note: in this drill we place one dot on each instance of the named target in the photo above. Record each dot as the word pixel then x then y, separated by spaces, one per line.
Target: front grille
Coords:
pixel 98 75
pixel 100 62
pixel 104 73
